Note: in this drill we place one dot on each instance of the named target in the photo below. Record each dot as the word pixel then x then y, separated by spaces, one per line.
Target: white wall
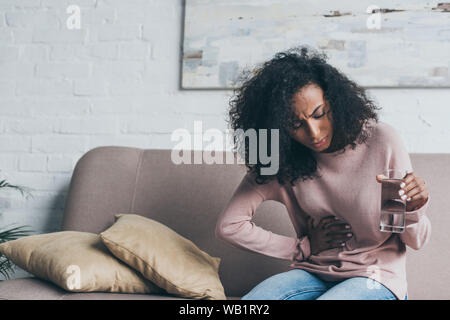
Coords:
pixel 116 82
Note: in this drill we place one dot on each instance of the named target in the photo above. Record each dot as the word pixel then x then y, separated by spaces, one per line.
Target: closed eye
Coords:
pixel 298 124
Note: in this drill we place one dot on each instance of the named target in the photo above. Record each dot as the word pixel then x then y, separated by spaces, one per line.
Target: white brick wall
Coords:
pixel 116 82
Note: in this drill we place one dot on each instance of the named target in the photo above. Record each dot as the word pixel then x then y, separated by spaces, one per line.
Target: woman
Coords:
pixel 331 138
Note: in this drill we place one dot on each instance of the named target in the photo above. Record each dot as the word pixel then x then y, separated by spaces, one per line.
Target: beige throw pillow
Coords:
pixel 169 260
pixel 75 261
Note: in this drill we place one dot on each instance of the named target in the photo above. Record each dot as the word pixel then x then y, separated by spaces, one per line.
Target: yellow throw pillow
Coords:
pixel 75 261
pixel 169 260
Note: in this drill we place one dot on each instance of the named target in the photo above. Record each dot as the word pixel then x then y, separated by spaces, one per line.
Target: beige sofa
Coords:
pixel 188 198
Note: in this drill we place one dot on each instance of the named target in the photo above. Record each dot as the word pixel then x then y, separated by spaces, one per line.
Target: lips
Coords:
pixel 320 142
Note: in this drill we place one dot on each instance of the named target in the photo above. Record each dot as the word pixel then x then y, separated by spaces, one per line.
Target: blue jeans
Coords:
pixel 298 284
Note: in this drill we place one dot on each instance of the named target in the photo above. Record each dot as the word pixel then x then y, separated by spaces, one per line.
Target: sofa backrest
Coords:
pixel 188 198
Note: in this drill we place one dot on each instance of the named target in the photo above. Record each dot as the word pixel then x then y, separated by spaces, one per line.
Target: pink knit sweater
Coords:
pixel 347 189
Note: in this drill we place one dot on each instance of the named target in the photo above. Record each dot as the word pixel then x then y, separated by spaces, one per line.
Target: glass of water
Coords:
pixel 393 208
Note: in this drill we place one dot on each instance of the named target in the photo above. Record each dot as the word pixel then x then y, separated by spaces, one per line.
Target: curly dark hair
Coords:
pixel 264 101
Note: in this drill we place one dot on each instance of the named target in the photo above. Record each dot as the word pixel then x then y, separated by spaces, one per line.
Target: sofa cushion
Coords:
pixel 32 288
pixel 171 261
pixel 75 261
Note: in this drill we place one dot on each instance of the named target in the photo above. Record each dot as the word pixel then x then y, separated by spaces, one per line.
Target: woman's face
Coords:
pixel 314 118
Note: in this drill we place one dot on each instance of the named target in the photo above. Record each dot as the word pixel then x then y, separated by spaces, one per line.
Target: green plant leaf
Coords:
pixel 6 267
pixel 15 233
pixel 25 191
pixel 10 233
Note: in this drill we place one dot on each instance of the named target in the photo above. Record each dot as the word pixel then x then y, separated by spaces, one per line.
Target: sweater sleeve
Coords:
pixel 417 225
pixel 235 227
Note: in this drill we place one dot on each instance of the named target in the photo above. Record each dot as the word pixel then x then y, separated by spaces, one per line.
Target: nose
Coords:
pixel 314 131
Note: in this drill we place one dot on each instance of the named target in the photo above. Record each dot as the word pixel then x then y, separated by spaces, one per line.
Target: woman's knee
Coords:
pixel 358 288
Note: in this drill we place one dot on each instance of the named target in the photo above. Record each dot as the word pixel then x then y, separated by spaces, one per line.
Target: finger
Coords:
pixel 326 220
pixel 419 196
pixel 339 232
pixel 336 222
pixel 343 236
pixel 337 225
pixel 335 244
pixel 408 191
pixel 410 185
pixel 408 178
pixel 413 192
pixel 380 177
